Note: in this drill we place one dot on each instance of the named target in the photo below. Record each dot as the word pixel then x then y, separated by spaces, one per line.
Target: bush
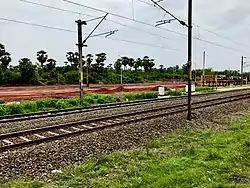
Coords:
pixel 175 93
pixel 62 104
pixel 29 106
pixel 205 89
pixel 46 103
pixel 73 102
pixel 14 109
pixel 2 110
pixel 2 102
pixel 89 99
pixel 140 96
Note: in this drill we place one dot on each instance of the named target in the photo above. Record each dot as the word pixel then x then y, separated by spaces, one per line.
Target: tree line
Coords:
pixel 96 70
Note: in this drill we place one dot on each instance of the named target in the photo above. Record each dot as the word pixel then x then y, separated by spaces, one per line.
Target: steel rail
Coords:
pixel 57 113
pixel 174 110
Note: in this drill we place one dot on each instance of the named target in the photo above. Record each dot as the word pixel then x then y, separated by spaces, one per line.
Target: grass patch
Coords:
pixel 205 89
pixel 54 104
pixel 140 96
pixel 185 159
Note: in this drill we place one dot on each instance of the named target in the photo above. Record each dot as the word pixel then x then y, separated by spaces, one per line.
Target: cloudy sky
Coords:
pixel 224 22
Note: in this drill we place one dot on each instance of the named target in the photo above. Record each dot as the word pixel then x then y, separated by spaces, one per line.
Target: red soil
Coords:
pixel 18 93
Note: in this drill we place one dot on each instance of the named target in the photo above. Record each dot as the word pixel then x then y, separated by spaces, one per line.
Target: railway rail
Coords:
pixel 41 135
pixel 56 113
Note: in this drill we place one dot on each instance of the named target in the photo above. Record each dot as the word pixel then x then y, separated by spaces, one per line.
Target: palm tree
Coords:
pixel 110 66
pixel 5 58
pixel 125 61
pixel 138 63
pixel 118 65
pixel 131 63
pixel 42 57
pixel 2 49
pixel 89 61
pixel 51 64
pixel 148 63
pixel 73 58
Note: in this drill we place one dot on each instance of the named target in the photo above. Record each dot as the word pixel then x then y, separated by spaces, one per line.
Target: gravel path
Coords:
pixel 39 161
pixel 24 125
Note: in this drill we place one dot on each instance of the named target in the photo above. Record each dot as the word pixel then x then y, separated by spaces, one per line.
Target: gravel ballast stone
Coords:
pixel 38 162
pixel 43 122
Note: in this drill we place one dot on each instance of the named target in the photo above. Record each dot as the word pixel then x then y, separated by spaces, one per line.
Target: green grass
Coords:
pixel 89 99
pixel 187 159
pixel 205 89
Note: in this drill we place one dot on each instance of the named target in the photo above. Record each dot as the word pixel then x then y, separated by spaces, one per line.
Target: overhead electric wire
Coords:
pixel 109 20
pixel 220 45
pixel 123 17
pixel 219 35
pixel 37 25
pixel 72 31
pixel 141 22
pixel 137 21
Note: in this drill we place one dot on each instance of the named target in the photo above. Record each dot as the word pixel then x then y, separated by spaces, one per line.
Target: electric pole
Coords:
pixel 190 7
pixel 204 66
pixel 189 63
pixel 242 65
pixel 80 51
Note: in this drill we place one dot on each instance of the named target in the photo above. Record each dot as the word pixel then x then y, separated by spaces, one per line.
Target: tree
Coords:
pixel 89 61
pixel 185 69
pixel 131 63
pixel 99 65
pixel 5 58
pixel 109 66
pixel 51 64
pixel 148 63
pixel 161 66
pixel 73 58
pixel 138 64
pixel 27 71
pixel 42 57
pixel 125 61
pixel 118 65
pixel 100 59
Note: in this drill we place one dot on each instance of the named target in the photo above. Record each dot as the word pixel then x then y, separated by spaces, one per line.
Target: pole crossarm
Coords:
pixel 103 18
pixel 156 3
pixel 108 33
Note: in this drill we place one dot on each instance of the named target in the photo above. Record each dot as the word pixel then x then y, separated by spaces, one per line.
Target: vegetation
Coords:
pixel 206 158
pixel 46 71
pixel 54 104
pixel 89 99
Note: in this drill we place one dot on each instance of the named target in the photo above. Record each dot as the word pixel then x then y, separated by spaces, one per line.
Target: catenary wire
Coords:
pixel 112 21
pixel 72 31
pixel 207 30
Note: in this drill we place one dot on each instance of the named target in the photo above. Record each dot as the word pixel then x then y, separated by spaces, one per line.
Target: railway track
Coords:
pixel 41 135
pixel 57 113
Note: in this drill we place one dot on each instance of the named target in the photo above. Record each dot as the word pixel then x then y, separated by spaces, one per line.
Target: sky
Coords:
pixel 224 25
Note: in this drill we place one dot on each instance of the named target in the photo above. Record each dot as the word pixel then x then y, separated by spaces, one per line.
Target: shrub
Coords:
pixel 139 96
pixel 2 102
pixel 73 102
pixel 30 106
pixel 175 93
pixel 89 99
pixel 14 109
pixel 61 104
pixel 2 110
pixel 205 89
pixel 46 103
pixel 101 100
